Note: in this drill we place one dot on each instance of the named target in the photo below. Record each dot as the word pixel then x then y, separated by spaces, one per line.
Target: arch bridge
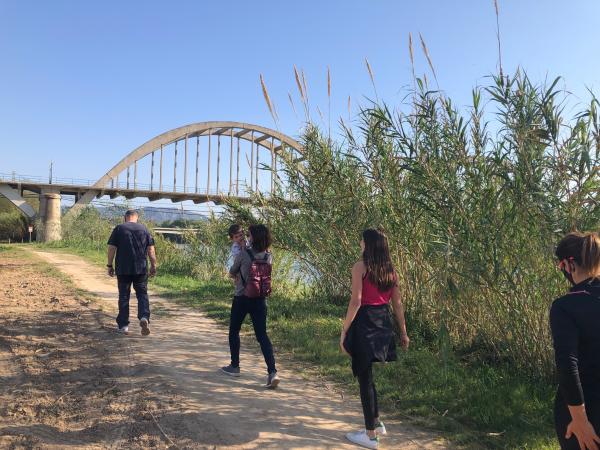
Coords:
pixel 201 162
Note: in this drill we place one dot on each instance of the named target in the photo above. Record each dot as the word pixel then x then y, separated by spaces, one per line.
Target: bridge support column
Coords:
pixel 50 216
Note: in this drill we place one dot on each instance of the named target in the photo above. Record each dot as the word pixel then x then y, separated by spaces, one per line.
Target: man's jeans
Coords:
pixel 140 285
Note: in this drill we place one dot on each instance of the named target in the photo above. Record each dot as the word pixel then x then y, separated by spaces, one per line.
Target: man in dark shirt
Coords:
pixel 133 244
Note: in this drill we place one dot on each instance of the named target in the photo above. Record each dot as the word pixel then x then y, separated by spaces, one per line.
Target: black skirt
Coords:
pixel 370 337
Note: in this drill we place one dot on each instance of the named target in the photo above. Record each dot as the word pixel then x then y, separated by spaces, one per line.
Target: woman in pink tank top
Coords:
pixel 371 295
pixel 367 334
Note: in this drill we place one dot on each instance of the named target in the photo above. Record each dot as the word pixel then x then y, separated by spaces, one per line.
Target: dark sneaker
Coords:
pixel 272 380
pixel 231 371
pixel 145 326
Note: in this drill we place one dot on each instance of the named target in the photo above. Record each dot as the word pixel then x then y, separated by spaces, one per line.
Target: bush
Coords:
pixel 473 205
pixel 13 226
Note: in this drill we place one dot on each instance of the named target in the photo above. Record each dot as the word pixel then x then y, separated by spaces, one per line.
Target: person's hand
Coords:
pixel 152 270
pixel 404 341
pixel 111 271
pixel 585 434
pixel 342 339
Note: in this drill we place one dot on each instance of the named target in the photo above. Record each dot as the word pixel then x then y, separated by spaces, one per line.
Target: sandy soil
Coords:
pixel 67 380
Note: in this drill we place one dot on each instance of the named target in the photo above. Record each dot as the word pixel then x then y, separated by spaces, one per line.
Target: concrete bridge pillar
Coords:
pixel 50 216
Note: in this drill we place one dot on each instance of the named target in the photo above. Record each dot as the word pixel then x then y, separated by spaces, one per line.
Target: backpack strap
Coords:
pixel 252 258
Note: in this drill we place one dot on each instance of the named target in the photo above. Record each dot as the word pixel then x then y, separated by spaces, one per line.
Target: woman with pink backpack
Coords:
pixel 251 270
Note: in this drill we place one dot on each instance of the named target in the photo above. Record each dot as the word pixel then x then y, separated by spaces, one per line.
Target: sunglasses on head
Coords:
pixel 562 264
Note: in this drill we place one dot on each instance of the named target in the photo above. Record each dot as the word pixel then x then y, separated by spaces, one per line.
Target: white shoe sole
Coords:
pixel 362 443
pixel 145 327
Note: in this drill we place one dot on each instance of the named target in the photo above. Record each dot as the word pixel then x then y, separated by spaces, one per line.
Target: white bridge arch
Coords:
pixel 208 172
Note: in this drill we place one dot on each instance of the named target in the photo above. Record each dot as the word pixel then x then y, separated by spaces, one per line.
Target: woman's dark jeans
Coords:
pixel 257 308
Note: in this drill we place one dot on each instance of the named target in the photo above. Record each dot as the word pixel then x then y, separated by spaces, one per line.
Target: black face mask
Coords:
pixel 568 276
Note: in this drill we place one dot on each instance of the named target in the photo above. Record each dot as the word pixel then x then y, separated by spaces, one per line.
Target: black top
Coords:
pixel 132 240
pixel 575 325
pixel 370 337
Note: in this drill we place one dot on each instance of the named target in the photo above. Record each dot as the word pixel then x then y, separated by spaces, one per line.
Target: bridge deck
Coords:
pixel 79 191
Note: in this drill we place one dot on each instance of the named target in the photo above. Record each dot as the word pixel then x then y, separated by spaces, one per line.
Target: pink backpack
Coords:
pixel 258 283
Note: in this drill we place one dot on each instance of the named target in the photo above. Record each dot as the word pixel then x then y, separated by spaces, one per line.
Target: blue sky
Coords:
pixel 82 83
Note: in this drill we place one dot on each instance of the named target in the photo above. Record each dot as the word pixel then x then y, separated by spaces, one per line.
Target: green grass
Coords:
pixel 473 404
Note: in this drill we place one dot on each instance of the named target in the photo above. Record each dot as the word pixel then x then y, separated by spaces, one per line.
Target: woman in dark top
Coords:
pixel 575 325
pixel 367 335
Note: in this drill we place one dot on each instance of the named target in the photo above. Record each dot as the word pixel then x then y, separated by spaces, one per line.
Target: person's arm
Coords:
pixel 355 299
pixel 112 250
pixel 152 256
pixel 233 253
pixel 398 308
pixel 565 337
pixel 237 263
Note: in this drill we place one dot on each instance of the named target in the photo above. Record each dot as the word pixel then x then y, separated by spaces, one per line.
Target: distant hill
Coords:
pixel 154 214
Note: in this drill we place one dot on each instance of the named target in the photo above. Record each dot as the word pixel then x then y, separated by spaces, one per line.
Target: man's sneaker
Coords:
pixel 362 438
pixel 272 380
pixel 380 429
pixel 231 371
pixel 123 330
pixel 145 327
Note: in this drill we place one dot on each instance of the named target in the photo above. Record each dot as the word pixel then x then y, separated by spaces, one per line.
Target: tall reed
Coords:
pixel 473 203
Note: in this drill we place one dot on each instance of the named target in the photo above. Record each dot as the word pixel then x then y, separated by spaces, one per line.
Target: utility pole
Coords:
pixel 50 176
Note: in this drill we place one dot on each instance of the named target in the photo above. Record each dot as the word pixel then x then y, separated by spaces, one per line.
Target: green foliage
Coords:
pixel 13 224
pixel 203 253
pixel 89 230
pixel 472 215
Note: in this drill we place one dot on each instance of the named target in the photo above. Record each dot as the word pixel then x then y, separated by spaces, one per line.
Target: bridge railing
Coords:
pixel 20 178
pixel 243 188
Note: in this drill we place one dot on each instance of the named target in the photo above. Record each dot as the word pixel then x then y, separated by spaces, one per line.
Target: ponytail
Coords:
pixel 590 254
pixel 583 248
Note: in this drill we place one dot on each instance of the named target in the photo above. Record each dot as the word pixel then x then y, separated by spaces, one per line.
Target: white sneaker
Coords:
pixel 362 438
pixel 123 330
pixel 381 429
pixel 272 380
pixel 145 327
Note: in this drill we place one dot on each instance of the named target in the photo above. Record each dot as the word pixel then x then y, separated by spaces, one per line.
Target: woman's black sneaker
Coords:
pixel 231 371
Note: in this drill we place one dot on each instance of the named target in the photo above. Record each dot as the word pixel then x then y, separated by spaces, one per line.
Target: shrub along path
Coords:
pixel 184 353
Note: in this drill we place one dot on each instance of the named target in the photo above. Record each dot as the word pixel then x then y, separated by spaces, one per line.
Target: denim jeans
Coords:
pixel 257 308
pixel 140 285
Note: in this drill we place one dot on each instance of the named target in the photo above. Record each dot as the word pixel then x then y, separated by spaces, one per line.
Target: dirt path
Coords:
pixel 173 375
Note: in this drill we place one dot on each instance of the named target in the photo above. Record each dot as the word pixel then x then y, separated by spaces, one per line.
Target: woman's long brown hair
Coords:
pixel 261 237
pixel 376 257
